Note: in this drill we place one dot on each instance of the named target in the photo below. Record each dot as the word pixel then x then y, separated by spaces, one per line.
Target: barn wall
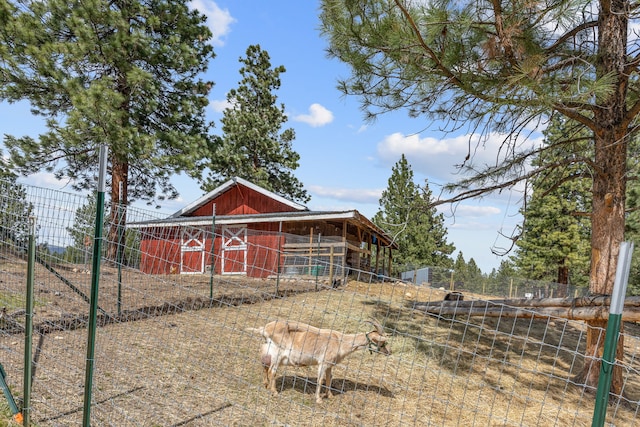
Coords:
pixel 241 200
pixel 263 255
pixel 160 251
pixel 161 248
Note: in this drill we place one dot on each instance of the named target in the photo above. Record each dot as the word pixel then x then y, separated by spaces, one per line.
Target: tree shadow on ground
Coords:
pixel 459 344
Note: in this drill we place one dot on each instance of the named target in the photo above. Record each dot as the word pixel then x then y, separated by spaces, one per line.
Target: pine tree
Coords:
pixel 500 67
pixel 554 246
pixel 506 269
pixel 120 73
pixel 502 278
pixel 253 146
pixel 419 230
pixel 14 210
pixel 632 222
pixel 460 275
pixel 82 231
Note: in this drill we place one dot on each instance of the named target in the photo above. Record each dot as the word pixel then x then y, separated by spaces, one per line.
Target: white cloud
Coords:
pixel 438 158
pixel 475 211
pixel 471 225
pixel 318 116
pixel 360 129
pixel 46 180
pixel 218 20
pixel 219 105
pixel 355 195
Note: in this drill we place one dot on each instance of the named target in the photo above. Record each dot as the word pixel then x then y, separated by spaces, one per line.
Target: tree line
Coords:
pixel 552 244
pixel 128 74
pixel 80 63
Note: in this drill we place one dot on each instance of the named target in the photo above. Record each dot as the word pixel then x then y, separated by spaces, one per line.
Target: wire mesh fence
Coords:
pixel 505 287
pixel 175 347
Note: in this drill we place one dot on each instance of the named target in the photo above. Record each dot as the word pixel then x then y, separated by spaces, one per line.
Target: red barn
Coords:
pixel 258 234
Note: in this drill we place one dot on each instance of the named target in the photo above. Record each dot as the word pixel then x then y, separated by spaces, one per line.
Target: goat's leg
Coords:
pixel 321 373
pixel 327 382
pixel 265 376
pixel 265 360
pixel 271 375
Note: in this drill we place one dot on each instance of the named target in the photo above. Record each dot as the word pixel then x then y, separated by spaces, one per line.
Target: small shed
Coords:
pixel 258 234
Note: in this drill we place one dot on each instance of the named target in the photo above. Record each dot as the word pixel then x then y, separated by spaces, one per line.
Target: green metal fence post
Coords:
pixel 28 324
pixel 279 255
pixel 95 278
pixel 119 248
pixel 611 337
pixel 212 261
pixel 17 415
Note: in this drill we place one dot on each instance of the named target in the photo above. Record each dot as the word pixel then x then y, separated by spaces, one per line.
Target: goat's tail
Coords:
pixel 259 331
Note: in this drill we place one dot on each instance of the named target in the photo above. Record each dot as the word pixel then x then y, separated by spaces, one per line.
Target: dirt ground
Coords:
pixel 170 355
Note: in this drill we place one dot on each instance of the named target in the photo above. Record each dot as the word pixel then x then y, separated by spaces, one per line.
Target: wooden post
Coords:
pixel 346 252
pixel 382 258
pixel 331 265
pixel 378 255
pixel 360 249
pixel 369 263
pixel 310 248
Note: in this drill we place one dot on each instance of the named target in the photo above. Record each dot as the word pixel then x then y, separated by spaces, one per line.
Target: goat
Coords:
pixel 298 344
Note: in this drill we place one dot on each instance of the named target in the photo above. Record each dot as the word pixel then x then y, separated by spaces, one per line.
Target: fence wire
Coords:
pixel 176 349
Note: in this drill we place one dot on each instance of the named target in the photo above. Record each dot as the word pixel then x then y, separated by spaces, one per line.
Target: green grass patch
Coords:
pixel 12 301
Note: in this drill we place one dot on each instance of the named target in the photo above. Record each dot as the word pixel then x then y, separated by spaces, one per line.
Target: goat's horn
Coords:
pixel 377 325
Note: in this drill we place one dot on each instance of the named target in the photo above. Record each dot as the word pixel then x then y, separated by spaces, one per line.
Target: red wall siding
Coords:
pixel 262 257
pixel 160 251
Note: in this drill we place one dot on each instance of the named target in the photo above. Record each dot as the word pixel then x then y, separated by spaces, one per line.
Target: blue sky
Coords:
pixel 345 161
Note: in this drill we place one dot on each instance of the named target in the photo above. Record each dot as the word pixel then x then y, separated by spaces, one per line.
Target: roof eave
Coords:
pixel 225 187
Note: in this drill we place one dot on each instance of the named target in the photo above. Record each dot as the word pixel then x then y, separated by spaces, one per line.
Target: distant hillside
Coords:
pixel 56 249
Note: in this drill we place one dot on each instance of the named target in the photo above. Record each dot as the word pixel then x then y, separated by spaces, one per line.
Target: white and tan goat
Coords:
pixel 298 344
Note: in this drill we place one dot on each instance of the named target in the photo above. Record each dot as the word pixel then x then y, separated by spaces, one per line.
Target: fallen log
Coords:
pixel 587 301
pixel 588 308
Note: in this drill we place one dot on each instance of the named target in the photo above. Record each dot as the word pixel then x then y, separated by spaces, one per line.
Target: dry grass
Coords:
pixel 200 367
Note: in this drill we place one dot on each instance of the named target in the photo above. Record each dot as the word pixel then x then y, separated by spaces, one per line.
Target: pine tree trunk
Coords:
pixel 610 139
pixel 563 280
pixel 117 217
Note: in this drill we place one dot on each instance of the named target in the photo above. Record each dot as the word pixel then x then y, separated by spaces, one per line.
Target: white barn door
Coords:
pixel 234 250
pixel 192 251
